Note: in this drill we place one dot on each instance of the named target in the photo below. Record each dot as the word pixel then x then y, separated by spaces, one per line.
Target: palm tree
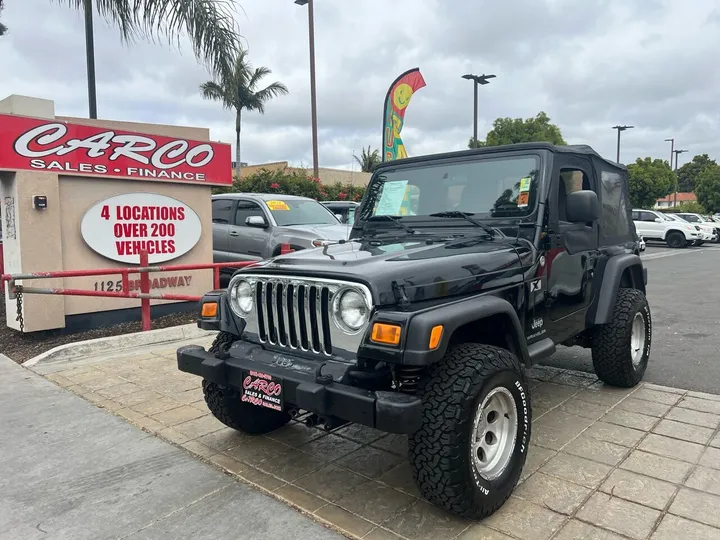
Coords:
pixel 237 90
pixel 368 159
pixel 3 28
pixel 209 24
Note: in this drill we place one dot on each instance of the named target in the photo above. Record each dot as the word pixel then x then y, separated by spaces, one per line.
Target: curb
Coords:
pixel 115 344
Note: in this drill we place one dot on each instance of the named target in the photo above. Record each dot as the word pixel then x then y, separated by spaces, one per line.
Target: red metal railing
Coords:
pixel 144 295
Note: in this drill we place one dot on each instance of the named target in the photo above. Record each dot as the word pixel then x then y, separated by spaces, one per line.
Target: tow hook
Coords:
pixel 320 378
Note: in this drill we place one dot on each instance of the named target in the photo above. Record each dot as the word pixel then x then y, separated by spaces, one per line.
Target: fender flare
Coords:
pixel 224 321
pixel 612 274
pixel 453 316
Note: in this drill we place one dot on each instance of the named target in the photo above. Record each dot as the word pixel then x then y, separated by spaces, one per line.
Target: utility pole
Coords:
pixel 677 153
pixel 90 56
pixel 619 129
pixel 313 93
pixel 477 80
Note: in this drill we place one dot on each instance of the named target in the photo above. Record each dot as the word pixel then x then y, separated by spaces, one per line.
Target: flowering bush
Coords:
pixel 293 182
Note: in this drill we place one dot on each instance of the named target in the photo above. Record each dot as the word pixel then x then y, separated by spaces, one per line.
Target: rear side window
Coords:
pixel 221 209
pixel 615 210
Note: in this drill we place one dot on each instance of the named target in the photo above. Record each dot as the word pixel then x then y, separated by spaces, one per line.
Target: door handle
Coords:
pixel 234 234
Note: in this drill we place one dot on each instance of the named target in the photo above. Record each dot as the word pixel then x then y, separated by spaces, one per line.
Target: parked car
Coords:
pixel 707 232
pixel 343 210
pixel 254 226
pixel 703 222
pixel 423 324
pixel 654 225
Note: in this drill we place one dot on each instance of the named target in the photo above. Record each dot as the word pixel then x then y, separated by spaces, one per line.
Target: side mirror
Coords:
pixel 582 206
pixel 339 217
pixel 256 221
pixel 657 220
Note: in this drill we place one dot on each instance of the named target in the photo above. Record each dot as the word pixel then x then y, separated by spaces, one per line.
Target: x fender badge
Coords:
pixel 536 285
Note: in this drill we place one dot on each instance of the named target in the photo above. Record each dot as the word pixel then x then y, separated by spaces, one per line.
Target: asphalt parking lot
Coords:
pixel 684 298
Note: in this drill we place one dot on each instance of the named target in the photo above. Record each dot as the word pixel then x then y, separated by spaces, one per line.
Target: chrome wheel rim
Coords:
pixel 637 339
pixel 494 433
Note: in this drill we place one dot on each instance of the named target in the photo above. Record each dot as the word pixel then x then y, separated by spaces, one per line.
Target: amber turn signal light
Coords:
pixel 387 334
pixel 209 309
pixel 435 336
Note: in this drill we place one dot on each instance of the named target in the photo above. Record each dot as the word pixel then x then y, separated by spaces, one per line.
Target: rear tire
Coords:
pixel 468 454
pixel 225 405
pixel 676 240
pixel 621 348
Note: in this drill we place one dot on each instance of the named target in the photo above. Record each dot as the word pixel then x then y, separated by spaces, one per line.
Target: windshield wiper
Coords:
pixel 465 216
pixel 395 220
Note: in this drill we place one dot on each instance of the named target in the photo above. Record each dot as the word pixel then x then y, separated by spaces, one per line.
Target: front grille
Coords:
pixel 294 314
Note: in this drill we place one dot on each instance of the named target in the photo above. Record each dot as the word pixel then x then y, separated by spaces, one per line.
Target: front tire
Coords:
pixel 621 348
pixel 676 240
pixel 468 454
pixel 225 405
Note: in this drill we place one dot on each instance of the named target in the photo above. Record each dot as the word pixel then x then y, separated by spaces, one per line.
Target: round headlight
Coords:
pixel 241 298
pixel 351 311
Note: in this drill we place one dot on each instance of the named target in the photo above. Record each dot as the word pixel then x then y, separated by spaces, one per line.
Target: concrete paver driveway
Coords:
pixel 604 463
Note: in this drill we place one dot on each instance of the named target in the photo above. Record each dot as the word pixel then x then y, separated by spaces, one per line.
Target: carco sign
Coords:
pixel 73 149
pixel 120 227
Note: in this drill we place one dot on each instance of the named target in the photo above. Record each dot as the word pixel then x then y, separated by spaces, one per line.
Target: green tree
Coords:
pixel 518 130
pixel 690 207
pixel 688 173
pixel 368 159
pixel 238 90
pixel 707 189
pixel 650 179
pixel 3 28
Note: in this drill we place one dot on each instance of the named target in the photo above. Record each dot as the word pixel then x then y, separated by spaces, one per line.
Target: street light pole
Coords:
pixel 619 129
pixel 477 80
pixel 90 56
pixel 313 93
pixel 677 153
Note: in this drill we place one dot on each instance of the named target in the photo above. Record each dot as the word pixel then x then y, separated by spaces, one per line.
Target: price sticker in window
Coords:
pixel 525 184
pixel 277 205
pixel 523 199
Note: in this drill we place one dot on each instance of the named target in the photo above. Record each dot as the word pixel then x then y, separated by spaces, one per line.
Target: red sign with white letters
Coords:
pixel 78 150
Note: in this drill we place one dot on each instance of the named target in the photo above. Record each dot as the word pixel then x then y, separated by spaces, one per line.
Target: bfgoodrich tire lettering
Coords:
pixel 440 451
pixel 612 349
pixel 225 405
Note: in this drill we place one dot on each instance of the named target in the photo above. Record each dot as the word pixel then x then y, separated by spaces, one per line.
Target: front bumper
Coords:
pixel 391 412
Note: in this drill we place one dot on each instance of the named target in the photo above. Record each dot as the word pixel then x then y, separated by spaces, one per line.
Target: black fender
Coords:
pixel 612 275
pixel 224 321
pixel 453 316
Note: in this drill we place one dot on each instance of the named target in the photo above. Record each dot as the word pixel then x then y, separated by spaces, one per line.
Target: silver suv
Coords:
pixel 254 226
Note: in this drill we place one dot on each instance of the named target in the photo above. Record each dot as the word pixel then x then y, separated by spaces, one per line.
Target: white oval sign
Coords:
pixel 120 227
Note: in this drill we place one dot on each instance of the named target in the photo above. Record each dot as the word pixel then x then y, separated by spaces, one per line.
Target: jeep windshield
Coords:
pixel 291 212
pixel 485 188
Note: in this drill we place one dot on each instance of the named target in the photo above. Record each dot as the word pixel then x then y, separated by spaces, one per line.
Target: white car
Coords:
pixel 707 233
pixel 652 225
pixel 704 223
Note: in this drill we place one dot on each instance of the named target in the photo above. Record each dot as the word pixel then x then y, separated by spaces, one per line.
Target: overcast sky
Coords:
pixel 590 64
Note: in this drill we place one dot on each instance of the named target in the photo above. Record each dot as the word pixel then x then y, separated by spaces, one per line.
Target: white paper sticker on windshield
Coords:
pixel 525 184
pixel 391 199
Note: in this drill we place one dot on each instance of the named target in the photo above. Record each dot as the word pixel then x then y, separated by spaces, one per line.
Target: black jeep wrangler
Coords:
pixel 461 270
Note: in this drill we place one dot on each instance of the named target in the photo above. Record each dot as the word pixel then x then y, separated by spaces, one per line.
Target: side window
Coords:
pixel 648 216
pixel 246 209
pixel 571 180
pixel 221 209
pixel 615 206
pixel 636 215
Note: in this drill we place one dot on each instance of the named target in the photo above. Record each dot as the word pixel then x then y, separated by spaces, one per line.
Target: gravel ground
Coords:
pixel 22 347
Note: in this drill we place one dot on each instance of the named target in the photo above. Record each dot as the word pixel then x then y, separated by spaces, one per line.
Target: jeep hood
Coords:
pixel 414 269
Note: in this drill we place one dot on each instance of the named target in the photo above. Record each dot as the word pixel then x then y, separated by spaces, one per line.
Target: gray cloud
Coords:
pixel 589 65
